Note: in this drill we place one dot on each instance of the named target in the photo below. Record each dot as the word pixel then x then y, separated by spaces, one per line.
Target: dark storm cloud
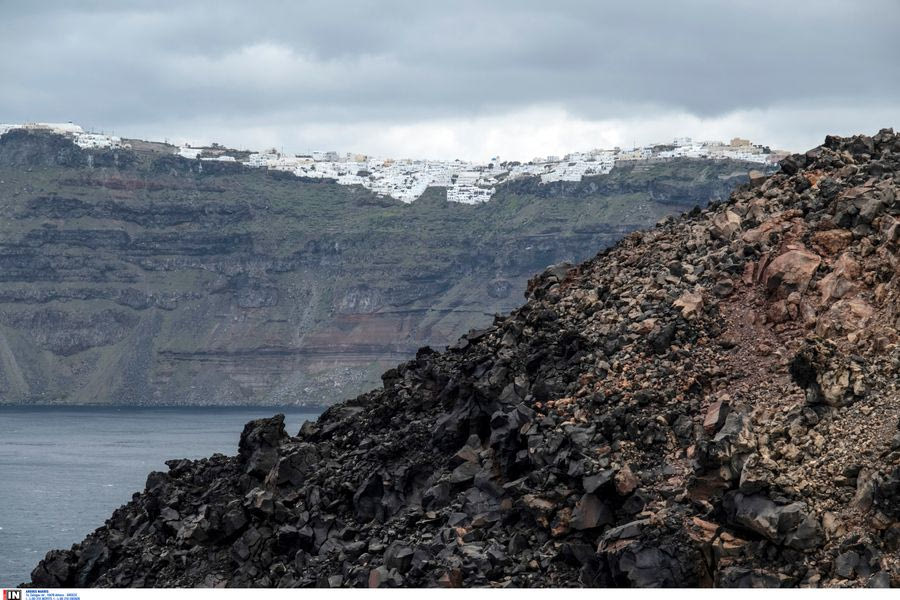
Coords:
pixel 118 64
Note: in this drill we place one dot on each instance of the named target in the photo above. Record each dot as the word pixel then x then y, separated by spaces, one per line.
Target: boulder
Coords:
pixel 690 303
pixel 291 468
pixel 590 512
pixel 594 482
pixel 763 232
pixel 790 272
pixel 54 571
pixel 756 177
pixel 790 525
pixel 845 317
pixel 464 473
pixel 727 451
pixel 625 481
pixel 398 557
pixel 725 225
pixel 641 554
pixel 715 416
pixel 841 280
pixel 367 498
pixel 258 447
pixel 832 241
pixel 828 376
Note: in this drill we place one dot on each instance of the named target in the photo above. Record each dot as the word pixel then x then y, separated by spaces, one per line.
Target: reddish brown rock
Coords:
pixel 840 282
pixel 779 312
pixel 715 416
pixel 625 481
pixel 832 241
pixel 690 303
pixel 762 233
pixel 845 317
pixel 790 272
pixel 725 225
pixel 451 579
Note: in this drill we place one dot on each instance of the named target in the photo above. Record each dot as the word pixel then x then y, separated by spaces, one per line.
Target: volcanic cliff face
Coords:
pixel 139 277
pixel 711 402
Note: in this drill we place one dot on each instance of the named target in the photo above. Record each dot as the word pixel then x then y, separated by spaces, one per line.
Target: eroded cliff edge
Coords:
pixel 710 402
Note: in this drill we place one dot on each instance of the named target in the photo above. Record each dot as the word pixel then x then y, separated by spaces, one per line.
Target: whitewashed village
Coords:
pixel 407 179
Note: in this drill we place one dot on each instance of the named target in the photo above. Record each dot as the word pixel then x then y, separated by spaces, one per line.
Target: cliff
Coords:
pixel 140 277
pixel 713 401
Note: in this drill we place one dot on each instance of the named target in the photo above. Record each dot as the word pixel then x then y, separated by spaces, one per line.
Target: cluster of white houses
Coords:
pixel 81 137
pixel 471 183
pixel 466 182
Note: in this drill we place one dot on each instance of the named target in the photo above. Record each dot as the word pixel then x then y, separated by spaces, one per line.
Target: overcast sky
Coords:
pixel 454 79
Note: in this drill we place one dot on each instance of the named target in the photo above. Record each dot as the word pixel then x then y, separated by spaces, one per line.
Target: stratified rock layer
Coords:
pixel 702 404
pixel 143 278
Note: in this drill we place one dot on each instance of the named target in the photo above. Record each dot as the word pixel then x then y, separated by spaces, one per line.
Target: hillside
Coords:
pixel 713 401
pixel 140 277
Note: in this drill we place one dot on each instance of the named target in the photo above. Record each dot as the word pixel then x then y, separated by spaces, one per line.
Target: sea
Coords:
pixel 64 470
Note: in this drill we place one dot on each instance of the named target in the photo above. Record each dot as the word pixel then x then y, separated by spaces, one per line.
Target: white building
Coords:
pixel 406 180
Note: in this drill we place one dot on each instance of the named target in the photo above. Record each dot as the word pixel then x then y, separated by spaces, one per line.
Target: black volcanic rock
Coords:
pixel 258 448
pixel 36 148
pixel 630 425
pixel 32 148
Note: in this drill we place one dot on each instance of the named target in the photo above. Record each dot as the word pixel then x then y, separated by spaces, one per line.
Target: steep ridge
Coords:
pixel 140 277
pixel 713 401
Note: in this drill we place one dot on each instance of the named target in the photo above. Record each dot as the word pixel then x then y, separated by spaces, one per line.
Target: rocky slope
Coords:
pixel 139 277
pixel 710 402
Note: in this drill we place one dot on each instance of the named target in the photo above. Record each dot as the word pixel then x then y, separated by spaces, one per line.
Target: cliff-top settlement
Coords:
pixel 466 182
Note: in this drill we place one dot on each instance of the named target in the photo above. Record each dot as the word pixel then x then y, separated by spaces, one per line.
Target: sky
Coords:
pixel 472 80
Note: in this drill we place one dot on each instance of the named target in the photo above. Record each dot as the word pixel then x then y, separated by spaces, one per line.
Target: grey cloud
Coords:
pixel 116 64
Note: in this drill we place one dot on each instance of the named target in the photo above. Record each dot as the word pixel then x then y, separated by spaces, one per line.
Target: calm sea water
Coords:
pixel 64 470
